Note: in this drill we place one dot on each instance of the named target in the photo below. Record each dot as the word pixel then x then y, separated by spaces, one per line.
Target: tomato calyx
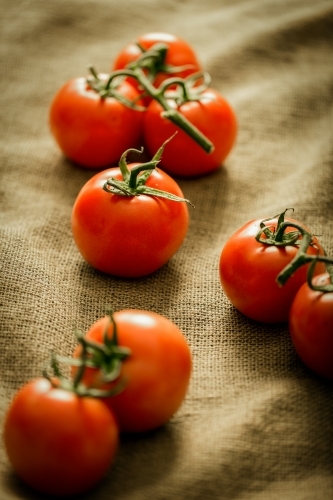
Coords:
pixel 277 236
pixel 133 182
pixel 153 60
pixel 109 88
pixel 106 357
pixel 300 238
pixel 186 89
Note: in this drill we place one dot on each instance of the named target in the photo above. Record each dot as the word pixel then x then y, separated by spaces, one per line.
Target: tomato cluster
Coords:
pixel 274 270
pixel 156 88
pixel 130 374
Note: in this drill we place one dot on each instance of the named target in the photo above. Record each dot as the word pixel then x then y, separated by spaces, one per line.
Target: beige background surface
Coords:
pixel 256 424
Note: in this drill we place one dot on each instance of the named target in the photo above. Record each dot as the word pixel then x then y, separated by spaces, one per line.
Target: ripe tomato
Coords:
pixel 179 53
pixel 57 442
pixel 156 373
pixel 248 271
pixel 93 131
pixel 212 115
pixel 128 236
pixel 311 327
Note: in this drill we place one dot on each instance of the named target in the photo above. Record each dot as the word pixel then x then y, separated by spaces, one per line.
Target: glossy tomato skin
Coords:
pixel 91 131
pixel 311 327
pixel 248 270
pixel 183 157
pixel 58 443
pixel 157 372
pixel 179 53
pixel 125 236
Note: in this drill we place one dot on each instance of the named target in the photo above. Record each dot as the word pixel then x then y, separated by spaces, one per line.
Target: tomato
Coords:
pixel 128 236
pixel 179 53
pixel 211 115
pixel 311 327
pixel 93 131
pixel 156 373
pixel 57 442
pixel 248 270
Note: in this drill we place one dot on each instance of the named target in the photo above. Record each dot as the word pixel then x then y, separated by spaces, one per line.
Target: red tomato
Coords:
pixel 311 327
pixel 179 53
pixel 57 442
pixel 212 115
pixel 248 271
pixel 93 131
pixel 128 236
pixel 156 373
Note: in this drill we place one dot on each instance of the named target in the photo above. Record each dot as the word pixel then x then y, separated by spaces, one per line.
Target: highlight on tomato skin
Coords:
pixel 311 327
pixel 59 443
pixel 248 270
pixel 156 374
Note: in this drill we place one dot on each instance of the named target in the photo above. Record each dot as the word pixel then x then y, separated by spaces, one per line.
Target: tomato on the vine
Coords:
pixel 211 114
pixel 128 223
pixel 311 326
pixel 59 443
pixel 93 123
pixel 180 60
pixel 156 374
pixel 249 268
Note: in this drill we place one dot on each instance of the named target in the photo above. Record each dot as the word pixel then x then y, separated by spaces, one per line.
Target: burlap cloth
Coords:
pixel 256 423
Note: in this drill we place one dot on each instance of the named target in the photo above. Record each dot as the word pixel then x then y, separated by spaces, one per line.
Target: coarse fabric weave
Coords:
pixel 256 423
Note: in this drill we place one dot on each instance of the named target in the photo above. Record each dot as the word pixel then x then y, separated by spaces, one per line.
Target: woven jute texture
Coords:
pixel 256 423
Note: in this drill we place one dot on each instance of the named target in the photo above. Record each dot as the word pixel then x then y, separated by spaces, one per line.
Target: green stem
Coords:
pixel 300 238
pixel 80 371
pixel 301 257
pixel 299 260
pixel 282 226
pixel 330 271
pixel 178 119
pixel 180 82
pixel 142 167
pixel 170 113
pixel 306 236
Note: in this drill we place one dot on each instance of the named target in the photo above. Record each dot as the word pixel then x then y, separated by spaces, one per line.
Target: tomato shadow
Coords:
pixel 210 216
pixel 263 349
pixel 204 185
pixel 121 293
pixel 143 460
pixel 16 488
